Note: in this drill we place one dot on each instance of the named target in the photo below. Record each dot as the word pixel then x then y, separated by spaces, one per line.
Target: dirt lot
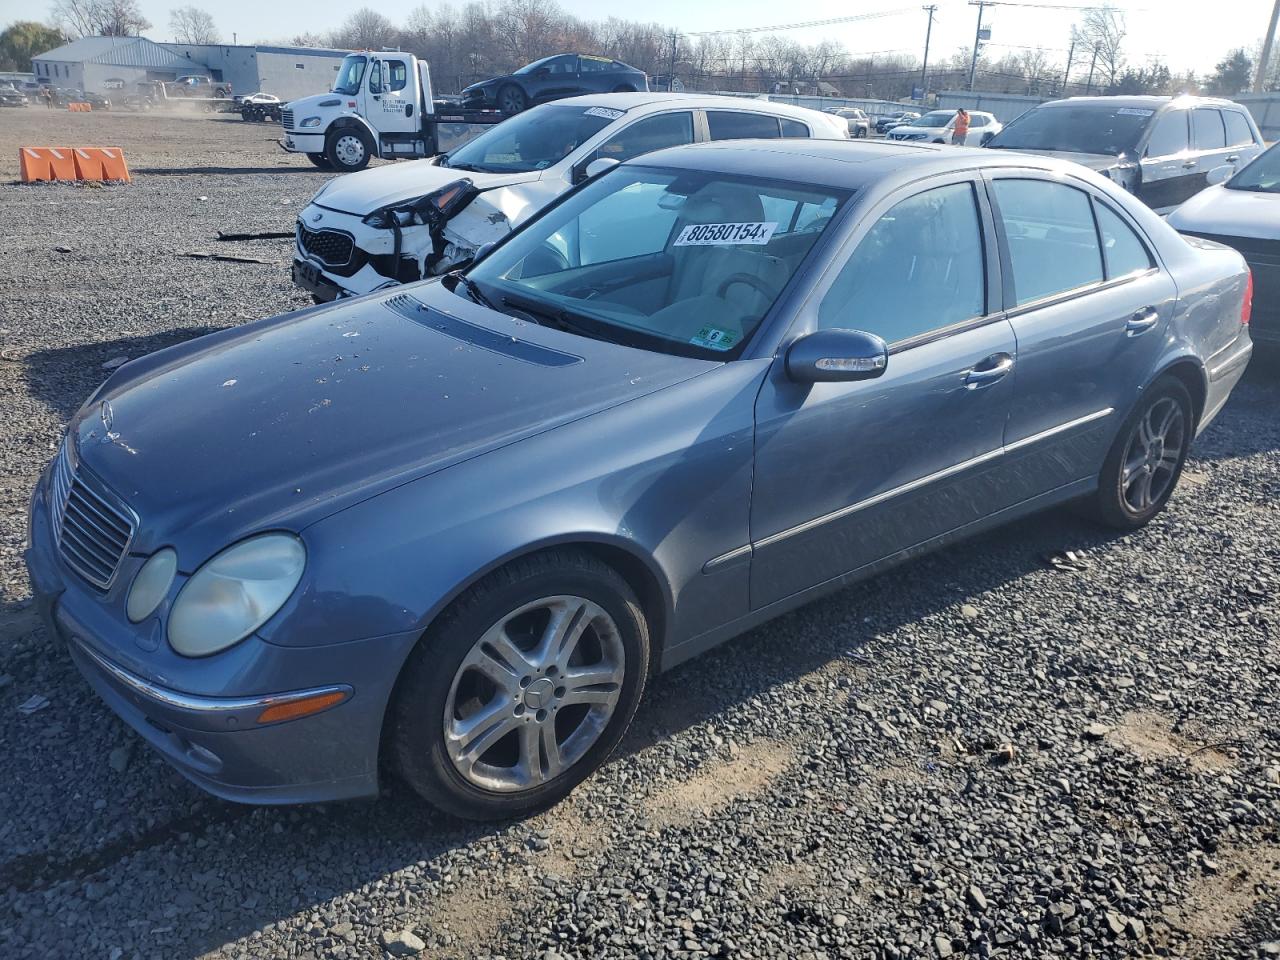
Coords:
pixel 976 754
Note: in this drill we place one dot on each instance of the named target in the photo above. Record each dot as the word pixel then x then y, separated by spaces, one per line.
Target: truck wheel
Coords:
pixel 348 149
pixel 320 160
pixel 511 99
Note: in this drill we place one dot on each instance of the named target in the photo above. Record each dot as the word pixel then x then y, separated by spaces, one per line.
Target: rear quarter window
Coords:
pixel 794 128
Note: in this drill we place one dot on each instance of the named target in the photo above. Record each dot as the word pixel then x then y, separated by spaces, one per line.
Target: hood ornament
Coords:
pixel 107 416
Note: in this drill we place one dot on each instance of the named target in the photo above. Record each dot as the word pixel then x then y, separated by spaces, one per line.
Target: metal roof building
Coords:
pixel 90 62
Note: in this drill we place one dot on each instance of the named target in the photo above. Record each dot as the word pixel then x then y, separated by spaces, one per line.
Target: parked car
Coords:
pixel 1159 148
pixel 936 126
pixel 859 125
pixel 454 526
pixel 11 96
pixel 259 107
pixel 554 78
pixel 1244 213
pixel 95 100
pixel 896 119
pixel 415 219
pixel 199 86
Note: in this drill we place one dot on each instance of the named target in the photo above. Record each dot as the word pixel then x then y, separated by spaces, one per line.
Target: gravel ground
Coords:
pixel 977 754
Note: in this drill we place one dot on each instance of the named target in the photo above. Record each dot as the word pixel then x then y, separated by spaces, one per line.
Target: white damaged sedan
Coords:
pixel 402 222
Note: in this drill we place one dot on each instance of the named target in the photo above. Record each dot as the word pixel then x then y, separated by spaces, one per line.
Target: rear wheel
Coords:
pixel 521 688
pixel 511 99
pixel 1146 459
pixel 348 149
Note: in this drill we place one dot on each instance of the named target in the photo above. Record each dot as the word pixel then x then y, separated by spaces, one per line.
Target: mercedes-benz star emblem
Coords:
pixel 107 416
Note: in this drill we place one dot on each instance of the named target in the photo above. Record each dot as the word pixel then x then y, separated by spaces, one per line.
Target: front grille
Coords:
pixel 91 527
pixel 330 247
pixel 286 119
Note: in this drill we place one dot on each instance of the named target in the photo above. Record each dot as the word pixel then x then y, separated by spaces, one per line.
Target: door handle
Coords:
pixel 989 371
pixel 1188 164
pixel 1142 321
pixel 1234 158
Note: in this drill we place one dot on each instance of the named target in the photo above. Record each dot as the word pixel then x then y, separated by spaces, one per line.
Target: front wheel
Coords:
pixel 511 99
pixel 320 160
pixel 521 688
pixel 1146 459
pixel 348 149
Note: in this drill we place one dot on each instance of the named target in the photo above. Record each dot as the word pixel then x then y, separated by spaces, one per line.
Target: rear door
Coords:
pixel 1167 164
pixel 1208 147
pixel 1090 308
pixel 1242 142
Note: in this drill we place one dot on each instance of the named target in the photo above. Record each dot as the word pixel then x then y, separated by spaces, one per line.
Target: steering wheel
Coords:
pixel 751 280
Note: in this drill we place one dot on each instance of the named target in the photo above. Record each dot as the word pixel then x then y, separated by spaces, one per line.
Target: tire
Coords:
pixel 348 149
pixel 1140 473
pixel 320 160
pixel 624 88
pixel 456 675
pixel 246 115
pixel 511 99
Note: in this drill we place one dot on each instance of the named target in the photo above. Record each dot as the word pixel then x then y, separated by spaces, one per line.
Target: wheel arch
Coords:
pixel 349 121
pixel 1190 372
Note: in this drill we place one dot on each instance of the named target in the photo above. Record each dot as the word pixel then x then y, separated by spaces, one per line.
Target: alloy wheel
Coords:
pixel 1153 454
pixel 534 693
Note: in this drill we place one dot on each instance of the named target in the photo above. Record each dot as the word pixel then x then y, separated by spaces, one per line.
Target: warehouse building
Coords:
pixel 103 64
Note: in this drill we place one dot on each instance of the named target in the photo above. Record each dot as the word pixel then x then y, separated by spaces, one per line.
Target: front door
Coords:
pixel 850 473
pixel 391 105
pixel 556 78
pixel 1090 319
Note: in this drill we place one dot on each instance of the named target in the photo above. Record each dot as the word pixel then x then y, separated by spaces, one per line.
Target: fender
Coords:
pixel 355 120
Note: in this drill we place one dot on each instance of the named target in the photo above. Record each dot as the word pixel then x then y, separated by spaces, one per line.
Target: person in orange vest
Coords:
pixel 961 129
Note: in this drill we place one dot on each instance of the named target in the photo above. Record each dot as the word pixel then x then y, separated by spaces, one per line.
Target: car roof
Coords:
pixel 844 164
pixel 1147 102
pixel 706 101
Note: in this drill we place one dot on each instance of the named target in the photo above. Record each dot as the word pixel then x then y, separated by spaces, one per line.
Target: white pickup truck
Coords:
pixel 381 105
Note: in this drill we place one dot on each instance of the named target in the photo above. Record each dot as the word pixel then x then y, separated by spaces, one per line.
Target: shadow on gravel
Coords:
pixel 275 170
pixel 1248 424
pixel 61 377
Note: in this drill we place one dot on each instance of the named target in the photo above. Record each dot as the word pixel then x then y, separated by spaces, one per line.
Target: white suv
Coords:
pixel 405 221
pixel 936 127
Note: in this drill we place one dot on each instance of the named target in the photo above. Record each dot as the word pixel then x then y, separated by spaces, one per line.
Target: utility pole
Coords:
pixel 1264 61
pixel 1066 77
pixel 977 39
pixel 1088 88
pixel 671 76
pixel 931 9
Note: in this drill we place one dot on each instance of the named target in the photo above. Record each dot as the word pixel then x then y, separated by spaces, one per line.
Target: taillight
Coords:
pixel 1246 310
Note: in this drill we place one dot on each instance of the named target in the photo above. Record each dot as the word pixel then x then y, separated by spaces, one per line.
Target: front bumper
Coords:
pixel 296 142
pixel 201 715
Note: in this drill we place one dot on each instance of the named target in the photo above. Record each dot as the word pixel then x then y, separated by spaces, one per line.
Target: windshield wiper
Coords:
pixel 473 290
pixel 561 319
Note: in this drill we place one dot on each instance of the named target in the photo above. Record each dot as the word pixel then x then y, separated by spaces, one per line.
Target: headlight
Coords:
pixel 235 593
pixel 151 585
pixel 310 122
pixel 438 205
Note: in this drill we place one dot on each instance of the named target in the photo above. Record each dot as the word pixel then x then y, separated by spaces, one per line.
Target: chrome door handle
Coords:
pixel 1188 164
pixel 983 375
pixel 1233 159
pixel 1142 321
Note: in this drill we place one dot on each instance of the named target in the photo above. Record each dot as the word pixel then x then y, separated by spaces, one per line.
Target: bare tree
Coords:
pixel 366 30
pixel 193 25
pixel 105 18
pixel 1102 33
pixel 78 18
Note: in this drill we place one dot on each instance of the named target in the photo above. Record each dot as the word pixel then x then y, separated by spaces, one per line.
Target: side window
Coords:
pixel 1239 133
pixel 651 133
pixel 595 65
pixel 1169 136
pixel 919 268
pixel 977 120
pixel 397 75
pixel 1125 252
pixel 1207 132
pixel 794 129
pixel 375 76
pixel 726 125
pixel 1053 244
pixel 561 66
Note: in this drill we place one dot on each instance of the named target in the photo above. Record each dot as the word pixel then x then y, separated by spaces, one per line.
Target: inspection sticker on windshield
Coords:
pixel 607 112
pixel 713 338
pixel 1134 112
pixel 711 234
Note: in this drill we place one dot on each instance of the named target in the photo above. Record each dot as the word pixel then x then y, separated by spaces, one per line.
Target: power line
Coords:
pixel 800 26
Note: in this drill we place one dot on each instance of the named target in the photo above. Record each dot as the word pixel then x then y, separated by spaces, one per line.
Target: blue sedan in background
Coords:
pixel 456 526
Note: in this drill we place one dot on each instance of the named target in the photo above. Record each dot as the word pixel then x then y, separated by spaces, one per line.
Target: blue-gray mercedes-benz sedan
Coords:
pixel 455 526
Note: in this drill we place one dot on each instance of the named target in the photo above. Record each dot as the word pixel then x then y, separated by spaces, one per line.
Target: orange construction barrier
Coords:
pixel 80 107
pixel 46 163
pixel 100 163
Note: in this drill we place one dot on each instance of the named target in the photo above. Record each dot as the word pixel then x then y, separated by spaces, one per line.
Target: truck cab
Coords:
pixel 380 106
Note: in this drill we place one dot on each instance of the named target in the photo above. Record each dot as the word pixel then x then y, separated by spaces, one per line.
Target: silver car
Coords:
pixel 706 387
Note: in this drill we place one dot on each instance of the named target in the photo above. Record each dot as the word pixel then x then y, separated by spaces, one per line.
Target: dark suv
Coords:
pixel 553 78
pixel 1159 148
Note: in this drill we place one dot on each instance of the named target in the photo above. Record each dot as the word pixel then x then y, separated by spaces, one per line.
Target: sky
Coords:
pixel 1187 34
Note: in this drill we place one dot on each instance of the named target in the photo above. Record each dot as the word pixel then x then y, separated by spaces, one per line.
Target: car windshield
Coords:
pixel 1076 128
pixel 349 76
pixel 1261 176
pixel 935 118
pixel 533 140
pixel 681 262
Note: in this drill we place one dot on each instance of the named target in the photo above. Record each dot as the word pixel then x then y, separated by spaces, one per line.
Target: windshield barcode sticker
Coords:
pixel 607 112
pixel 710 234
pixel 1134 112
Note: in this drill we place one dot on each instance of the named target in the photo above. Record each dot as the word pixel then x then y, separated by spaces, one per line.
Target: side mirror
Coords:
pixel 837 356
pixel 593 168
pixel 1220 174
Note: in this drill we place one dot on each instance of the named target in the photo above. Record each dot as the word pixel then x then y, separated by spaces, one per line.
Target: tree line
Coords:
pixel 476 40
